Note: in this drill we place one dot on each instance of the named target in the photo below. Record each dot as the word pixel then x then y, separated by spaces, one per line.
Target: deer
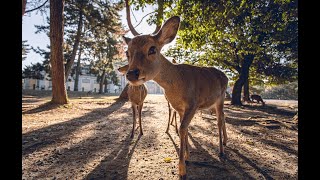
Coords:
pixel 136 95
pixel 188 88
pixel 257 98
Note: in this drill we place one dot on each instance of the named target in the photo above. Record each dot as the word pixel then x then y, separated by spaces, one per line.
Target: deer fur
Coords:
pixel 136 95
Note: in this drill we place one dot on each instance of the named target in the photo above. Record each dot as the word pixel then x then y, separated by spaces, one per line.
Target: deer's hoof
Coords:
pixel 221 154
pixel 224 143
pixel 183 177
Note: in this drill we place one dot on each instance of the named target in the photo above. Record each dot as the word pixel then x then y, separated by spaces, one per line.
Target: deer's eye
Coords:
pixel 152 50
pixel 127 54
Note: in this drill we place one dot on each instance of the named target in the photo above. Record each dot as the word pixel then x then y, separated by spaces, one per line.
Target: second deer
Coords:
pixel 136 95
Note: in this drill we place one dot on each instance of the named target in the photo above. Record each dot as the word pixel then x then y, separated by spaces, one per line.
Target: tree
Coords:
pixel 70 61
pixel 59 94
pixel 33 71
pixel 103 67
pixel 87 22
pixel 24 2
pixel 76 81
pixel 241 36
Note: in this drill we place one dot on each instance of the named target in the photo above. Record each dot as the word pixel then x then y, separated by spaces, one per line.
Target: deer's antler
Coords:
pixel 133 31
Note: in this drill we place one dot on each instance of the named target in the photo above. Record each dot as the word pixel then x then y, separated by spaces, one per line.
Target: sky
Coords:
pixel 42 40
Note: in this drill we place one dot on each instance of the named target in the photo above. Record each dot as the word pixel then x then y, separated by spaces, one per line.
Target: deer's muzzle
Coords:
pixel 133 75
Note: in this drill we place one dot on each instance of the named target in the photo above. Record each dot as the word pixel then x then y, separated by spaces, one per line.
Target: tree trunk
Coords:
pixel 106 86
pixel 102 82
pixel 244 74
pixel 76 81
pixel 246 94
pixel 75 45
pixel 24 2
pixel 124 93
pixel 59 93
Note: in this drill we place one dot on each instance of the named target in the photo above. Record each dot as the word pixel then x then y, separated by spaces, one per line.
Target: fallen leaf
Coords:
pixel 167 160
pixel 250 143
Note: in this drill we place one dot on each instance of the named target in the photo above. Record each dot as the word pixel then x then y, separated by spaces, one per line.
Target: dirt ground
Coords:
pixel 90 139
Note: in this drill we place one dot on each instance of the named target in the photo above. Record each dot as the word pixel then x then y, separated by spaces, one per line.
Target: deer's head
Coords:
pixel 144 52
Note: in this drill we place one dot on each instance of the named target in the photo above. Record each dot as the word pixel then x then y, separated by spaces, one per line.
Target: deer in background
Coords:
pixel 257 98
pixel 187 87
pixel 136 95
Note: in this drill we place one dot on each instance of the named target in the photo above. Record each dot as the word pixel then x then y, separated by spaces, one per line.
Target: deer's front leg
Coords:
pixel 134 112
pixel 139 110
pixel 183 132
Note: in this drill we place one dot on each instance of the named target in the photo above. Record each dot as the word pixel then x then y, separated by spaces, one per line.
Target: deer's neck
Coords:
pixel 168 73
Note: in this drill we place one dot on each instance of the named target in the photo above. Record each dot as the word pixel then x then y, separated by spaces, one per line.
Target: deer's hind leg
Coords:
pixel 169 117
pixel 221 126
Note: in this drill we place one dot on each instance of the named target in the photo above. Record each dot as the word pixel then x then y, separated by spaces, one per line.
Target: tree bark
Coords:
pixel 76 81
pixel 102 82
pixel 106 86
pixel 59 93
pixel 24 2
pixel 246 94
pixel 244 74
pixel 76 44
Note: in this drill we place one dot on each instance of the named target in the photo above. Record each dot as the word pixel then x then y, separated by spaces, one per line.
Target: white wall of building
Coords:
pixel 88 83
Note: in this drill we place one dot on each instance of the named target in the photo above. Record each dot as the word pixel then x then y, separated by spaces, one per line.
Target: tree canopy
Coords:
pixel 256 37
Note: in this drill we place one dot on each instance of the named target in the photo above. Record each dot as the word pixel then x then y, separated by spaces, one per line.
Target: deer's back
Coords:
pixel 201 85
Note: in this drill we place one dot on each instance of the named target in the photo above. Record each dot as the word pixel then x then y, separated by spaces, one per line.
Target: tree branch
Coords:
pixel 133 15
pixel 236 67
pixel 143 18
pixel 27 11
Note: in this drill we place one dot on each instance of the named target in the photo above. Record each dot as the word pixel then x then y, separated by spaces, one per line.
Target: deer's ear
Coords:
pixel 169 30
pixel 123 69
pixel 126 39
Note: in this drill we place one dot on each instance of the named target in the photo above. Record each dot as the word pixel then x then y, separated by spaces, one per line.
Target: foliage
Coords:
pixel 226 31
pixel 34 71
pixel 101 20
pixel 284 91
pixel 104 63
pixel 25 49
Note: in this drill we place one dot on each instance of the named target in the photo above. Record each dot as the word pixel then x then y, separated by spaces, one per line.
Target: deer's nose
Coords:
pixel 133 74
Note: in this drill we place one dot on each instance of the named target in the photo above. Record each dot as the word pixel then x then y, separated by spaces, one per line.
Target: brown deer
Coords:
pixel 257 98
pixel 136 95
pixel 188 88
